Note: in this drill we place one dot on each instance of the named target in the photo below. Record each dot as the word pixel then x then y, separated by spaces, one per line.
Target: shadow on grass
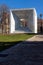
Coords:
pixel 27 53
pixel 34 33
pixel 6 45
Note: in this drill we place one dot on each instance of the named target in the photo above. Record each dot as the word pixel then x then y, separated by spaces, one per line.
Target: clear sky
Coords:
pixel 37 4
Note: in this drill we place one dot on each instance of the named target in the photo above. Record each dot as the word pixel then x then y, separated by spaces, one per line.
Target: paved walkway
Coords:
pixel 21 54
pixel 36 38
pixel 25 53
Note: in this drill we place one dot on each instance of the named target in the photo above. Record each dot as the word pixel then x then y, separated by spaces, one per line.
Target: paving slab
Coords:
pixel 36 38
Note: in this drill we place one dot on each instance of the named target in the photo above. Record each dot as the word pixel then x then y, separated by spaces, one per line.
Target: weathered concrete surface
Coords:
pixel 36 38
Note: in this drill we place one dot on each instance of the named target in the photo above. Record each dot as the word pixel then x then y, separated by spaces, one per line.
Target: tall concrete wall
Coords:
pixel 31 21
pixel 35 21
pixel 12 23
pixel 29 15
pixel 17 20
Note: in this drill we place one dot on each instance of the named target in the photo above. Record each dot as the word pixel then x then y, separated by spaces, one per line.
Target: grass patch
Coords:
pixel 6 41
pixel 15 37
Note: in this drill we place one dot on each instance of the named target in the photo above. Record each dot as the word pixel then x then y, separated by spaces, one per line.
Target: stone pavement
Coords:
pixel 36 38
pixel 24 53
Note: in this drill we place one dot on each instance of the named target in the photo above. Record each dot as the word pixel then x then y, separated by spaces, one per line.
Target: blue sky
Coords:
pixel 37 4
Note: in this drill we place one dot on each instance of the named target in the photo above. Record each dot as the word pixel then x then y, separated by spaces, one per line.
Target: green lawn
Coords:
pixel 14 37
pixel 7 41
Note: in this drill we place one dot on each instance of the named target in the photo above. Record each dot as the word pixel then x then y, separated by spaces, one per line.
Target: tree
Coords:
pixel 4 13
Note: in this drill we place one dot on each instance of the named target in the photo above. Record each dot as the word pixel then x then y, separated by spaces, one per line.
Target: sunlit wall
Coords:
pixel 23 20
